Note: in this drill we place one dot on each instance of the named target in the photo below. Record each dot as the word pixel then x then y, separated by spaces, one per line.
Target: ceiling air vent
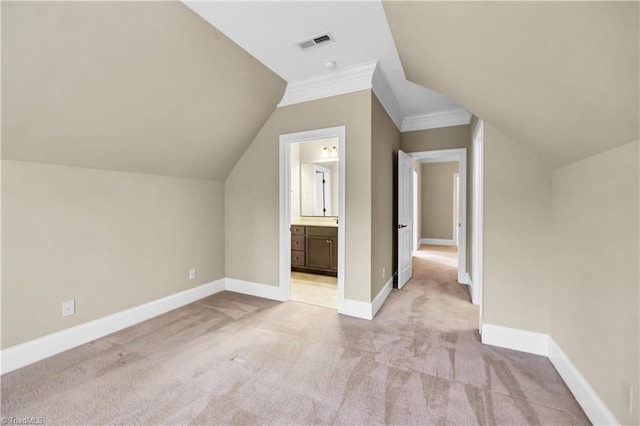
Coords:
pixel 315 41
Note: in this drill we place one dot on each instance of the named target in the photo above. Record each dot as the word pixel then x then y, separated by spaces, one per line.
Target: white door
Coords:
pixel 405 218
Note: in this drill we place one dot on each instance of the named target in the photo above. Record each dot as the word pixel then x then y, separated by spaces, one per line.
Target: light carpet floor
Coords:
pixel 235 359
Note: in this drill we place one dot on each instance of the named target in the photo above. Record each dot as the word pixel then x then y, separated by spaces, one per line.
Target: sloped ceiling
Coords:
pixel 144 87
pixel 560 76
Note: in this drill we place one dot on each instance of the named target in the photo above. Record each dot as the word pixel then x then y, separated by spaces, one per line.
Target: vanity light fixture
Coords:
pixel 330 152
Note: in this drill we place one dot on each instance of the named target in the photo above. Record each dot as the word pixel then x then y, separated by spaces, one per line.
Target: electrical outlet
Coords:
pixel 627 396
pixel 192 274
pixel 68 308
pixel 384 273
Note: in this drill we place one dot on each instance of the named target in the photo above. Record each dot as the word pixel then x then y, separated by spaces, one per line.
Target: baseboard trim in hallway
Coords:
pixel 543 344
pixel 437 242
pixel 21 355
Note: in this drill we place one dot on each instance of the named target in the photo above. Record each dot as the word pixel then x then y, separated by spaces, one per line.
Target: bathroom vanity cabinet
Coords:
pixel 314 249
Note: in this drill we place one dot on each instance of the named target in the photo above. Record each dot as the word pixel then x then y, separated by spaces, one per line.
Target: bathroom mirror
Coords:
pixel 314 178
pixel 318 189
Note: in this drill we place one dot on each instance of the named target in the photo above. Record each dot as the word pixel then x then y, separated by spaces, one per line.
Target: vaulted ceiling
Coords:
pixel 133 86
pixel 559 76
pixel 151 87
pixel 270 30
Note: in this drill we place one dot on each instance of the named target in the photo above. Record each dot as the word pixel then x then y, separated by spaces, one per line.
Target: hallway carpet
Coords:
pixel 235 359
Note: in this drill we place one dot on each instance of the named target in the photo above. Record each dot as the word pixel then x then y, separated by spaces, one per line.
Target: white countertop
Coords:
pixel 328 222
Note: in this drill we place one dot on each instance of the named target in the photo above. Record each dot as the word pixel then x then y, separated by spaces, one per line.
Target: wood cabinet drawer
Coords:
pixel 297 242
pixel 322 231
pixel 297 258
pixel 297 230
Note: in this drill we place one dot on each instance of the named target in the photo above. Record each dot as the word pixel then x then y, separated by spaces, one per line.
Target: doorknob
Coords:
pixel 402 226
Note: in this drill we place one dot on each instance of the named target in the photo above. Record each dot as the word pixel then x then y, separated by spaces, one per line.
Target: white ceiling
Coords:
pixel 268 30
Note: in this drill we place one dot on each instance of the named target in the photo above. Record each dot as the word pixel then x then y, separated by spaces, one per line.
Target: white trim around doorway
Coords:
pixel 459 155
pixel 477 219
pixel 285 206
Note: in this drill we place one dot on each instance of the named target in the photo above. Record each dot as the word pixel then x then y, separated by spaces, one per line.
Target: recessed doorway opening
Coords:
pixel 314 221
pixel 312 217
pixel 432 208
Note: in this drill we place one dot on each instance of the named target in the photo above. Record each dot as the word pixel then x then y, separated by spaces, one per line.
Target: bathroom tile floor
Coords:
pixel 314 289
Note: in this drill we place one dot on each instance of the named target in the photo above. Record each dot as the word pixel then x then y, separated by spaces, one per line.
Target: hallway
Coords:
pixel 236 359
pixel 448 306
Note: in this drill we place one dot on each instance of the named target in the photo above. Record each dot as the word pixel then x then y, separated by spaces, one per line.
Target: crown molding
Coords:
pixel 435 120
pixel 352 79
pixel 387 98
pixel 369 76
pixel 348 80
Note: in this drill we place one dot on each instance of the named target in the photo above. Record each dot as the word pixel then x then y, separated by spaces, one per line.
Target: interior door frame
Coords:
pixel 285 205
pixel 416 208
pixel 459 155
pixel 478 219
pixel 456 208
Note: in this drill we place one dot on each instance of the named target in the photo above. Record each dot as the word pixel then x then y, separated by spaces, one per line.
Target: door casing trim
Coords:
pixel 459 155
pixel 285 205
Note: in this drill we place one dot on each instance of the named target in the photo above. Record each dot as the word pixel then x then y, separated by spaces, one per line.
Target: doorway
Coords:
pixel 447 221
pixel 312 219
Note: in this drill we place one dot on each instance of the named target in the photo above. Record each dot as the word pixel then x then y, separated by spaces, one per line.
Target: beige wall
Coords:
pixel 437 200
pixel 595 292
pixel 566 116
pixel 251 192
pixel 109 240
pixel 385 141
pixel 145 87
pixel 435 139
pixel 517 234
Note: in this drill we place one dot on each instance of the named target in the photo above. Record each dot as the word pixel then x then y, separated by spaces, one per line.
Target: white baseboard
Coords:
pixel 365 310
pixel 542 344
pixel 356 308
pixel 594 408
pixel 38 349
pixel 466 280
pixel 470 284
pixel 254 289
pixel 381 297
pixel 35 350
pixel 437 242
pixel 514 338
